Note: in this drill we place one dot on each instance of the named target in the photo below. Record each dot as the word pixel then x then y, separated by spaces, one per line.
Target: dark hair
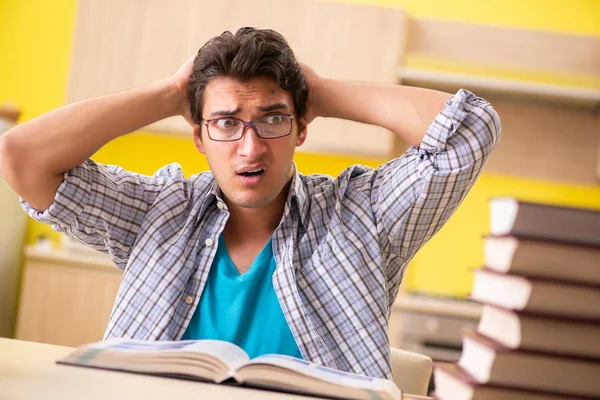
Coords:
pixel 247 54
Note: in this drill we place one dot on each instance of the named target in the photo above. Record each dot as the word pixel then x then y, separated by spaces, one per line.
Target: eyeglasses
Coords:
pixel 230 129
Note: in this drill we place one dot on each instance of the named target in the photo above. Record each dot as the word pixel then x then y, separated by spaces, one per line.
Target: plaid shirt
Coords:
pixel 341 247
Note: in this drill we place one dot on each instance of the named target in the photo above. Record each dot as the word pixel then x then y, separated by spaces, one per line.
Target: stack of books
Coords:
pixel 539 332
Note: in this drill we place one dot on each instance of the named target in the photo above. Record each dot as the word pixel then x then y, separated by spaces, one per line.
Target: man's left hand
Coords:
pixel 312 80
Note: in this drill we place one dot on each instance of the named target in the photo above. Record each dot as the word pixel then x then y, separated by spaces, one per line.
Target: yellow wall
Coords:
pixel 35 47
pixel 35 52
pixel 444 264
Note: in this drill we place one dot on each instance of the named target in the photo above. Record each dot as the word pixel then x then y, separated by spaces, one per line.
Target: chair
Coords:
pixel 411 371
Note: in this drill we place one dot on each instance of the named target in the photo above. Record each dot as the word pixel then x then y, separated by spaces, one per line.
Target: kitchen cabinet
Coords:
pixel 119 45
pixel 66 299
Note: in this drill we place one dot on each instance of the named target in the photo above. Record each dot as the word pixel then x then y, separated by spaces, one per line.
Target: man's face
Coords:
pixel 230 162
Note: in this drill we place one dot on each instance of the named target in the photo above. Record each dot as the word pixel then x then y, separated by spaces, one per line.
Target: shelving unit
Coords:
pixel 517 89
pixel 551 128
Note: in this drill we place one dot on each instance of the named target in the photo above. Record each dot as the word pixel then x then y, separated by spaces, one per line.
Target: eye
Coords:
pixel 227 123
pixel 276 119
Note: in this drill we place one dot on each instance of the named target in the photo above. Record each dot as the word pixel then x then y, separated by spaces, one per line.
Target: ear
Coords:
pixel 301 136
pixel 198 138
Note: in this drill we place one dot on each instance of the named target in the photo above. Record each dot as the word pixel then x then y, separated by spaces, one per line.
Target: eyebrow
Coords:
pixel 225 112
pixel 273 107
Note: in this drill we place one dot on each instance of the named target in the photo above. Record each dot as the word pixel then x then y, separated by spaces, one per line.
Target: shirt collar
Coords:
pixel 298 196
pixel 214 192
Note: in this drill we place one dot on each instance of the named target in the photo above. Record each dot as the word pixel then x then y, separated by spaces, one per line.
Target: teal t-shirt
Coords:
pixel 243 308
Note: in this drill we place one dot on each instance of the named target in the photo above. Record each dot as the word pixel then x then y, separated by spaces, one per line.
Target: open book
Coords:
pixel 222 362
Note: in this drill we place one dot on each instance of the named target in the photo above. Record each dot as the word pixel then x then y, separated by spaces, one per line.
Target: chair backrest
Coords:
pixel 411 371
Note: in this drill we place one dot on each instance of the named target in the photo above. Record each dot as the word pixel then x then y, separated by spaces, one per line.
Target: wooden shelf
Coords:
pixel 438 306
pixel 580 97
pixel 437 48
pixel 93 260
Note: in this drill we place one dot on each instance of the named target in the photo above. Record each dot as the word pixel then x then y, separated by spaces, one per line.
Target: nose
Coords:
pixel 250 145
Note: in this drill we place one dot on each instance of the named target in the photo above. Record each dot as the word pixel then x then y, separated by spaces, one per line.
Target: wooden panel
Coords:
pixel 543 141
pixel 122 44
pixel 65 305
pixel 588 98
pixel 546 142
pixel 505 47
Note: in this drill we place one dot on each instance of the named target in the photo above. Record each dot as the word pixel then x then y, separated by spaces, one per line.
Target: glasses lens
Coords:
pixel 225 128
pixel 274 125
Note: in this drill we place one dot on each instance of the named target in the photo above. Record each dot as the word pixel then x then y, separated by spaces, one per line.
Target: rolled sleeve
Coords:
pixel 71 197
pixel 463 134
pixel 415 194
pixel 104 206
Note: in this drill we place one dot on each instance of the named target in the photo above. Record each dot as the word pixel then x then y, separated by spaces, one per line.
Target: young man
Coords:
pixel 254 252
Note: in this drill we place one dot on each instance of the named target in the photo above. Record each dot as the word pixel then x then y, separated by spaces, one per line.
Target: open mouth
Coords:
pixel 252 173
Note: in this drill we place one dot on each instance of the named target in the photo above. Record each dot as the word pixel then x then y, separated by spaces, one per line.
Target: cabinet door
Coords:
pixel 119 45
pixel 65 305
pixel 13 223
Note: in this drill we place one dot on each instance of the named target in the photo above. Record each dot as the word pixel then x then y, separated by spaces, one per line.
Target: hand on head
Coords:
pixel 312 79
pixel 181 80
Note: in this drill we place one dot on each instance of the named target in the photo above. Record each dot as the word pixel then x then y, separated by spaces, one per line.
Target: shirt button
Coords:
pixel 220 205
pixel 189 300
pixel 208 242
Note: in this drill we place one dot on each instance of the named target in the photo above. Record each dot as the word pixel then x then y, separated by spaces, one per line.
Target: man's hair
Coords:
pixel 247 54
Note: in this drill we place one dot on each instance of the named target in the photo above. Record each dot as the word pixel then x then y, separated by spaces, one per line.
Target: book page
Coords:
pixel 229 353
pixel 323 373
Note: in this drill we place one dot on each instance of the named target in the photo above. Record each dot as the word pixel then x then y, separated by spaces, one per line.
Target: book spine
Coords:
pixel 544 279
pixel 545 239
pixel 548 316
pixel 465 377
pixel 500 348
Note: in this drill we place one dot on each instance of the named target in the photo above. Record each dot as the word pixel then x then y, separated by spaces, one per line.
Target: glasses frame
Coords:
pixel 251 124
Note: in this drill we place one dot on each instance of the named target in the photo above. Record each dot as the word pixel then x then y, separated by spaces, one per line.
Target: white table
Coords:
pixel 28 372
